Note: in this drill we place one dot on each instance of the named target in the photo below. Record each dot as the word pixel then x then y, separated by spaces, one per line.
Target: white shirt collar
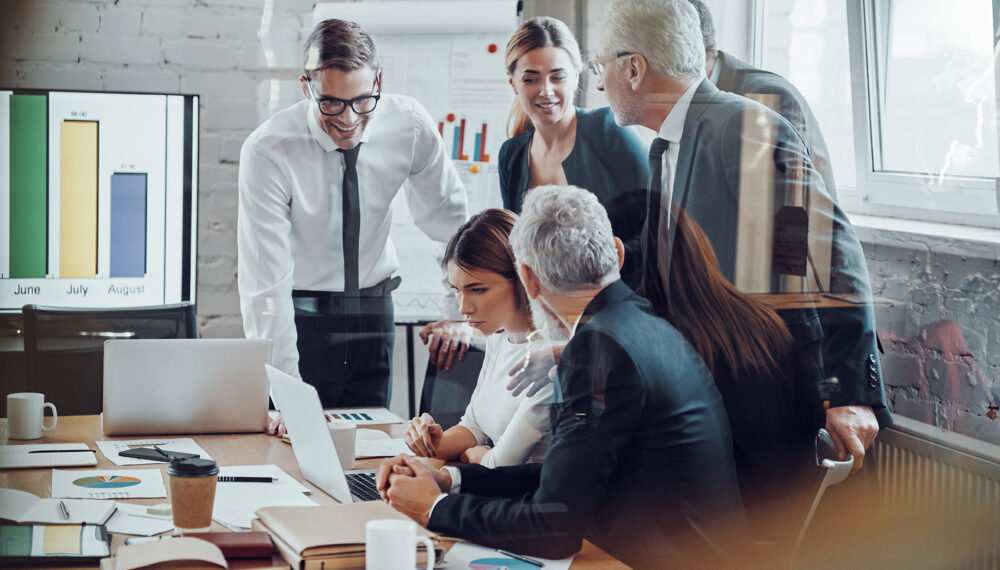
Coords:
pixel 324 140
pixel 673 126
pixel 716 72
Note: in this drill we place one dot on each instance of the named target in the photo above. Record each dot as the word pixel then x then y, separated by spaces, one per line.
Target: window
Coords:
pixel 917 78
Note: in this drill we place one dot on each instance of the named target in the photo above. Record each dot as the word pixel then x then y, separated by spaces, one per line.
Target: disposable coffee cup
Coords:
pixel 25 415
pixel 344 434
pixel 192 493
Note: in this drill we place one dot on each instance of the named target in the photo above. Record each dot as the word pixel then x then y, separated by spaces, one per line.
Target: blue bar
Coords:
pixel 128 224
pixel 477 157
pixel 456 147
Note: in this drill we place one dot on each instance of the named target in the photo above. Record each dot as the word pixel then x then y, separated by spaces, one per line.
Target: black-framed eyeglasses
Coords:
pixel 597 68
pixel 332 106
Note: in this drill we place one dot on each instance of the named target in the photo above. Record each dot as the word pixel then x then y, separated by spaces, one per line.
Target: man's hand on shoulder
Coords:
pixel 853 429
pixel 448 340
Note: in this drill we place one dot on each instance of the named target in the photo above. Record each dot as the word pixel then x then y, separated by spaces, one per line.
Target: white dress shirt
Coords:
pixel 289 230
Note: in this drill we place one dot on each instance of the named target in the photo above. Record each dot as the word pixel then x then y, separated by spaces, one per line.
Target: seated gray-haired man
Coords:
pixel 641 458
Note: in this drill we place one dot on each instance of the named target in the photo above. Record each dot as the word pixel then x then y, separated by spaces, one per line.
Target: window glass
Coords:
pixel 937 92
pixel 806 42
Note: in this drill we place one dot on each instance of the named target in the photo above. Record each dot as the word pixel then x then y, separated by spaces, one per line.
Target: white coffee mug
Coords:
pixel 26 416
pixel 391 544
pixel 344 433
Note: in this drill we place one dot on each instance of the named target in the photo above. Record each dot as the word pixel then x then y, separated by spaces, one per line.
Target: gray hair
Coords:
pixel 565 237
pixel 666 32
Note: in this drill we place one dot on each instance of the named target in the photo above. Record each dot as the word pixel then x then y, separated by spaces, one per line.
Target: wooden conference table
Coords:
pixel 232 449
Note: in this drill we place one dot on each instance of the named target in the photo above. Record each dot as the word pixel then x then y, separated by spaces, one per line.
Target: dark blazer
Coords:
pixel 707 186
pixel 608 160
pixel 744 79
pixel 640 462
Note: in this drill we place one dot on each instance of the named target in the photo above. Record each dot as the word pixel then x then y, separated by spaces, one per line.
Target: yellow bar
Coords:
pixel 78 200
pixel 62 539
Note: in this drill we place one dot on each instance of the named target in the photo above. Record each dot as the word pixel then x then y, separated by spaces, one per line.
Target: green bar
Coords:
pixel 28 223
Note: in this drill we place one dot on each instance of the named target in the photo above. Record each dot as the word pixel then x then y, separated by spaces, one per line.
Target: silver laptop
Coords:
pixel 314 448
pixel 185 386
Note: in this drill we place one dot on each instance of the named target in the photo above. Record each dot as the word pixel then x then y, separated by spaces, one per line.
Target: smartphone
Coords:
pixel 53 545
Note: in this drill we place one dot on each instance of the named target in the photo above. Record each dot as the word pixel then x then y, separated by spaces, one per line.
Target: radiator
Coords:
pixel 925 469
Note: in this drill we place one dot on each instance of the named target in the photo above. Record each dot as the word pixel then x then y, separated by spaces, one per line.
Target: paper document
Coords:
pixel 235 503
pixel 46 455
pixel 466 555
pixel 23 507
pixel 134 519
pixel 110 449
pixel 108 484
pixel 365 416
pixel 376 443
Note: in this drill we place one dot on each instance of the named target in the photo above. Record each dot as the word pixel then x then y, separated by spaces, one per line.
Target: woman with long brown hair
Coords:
pixel 481 270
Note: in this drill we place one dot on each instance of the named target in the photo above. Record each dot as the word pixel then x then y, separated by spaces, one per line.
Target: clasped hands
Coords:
pixel 411 487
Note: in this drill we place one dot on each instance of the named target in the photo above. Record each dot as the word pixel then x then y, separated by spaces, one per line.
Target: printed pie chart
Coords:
pixel 106 482
pixel 500 564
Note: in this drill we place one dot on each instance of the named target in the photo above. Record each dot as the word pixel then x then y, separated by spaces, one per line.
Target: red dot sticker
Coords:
pixel 451 117
pixel 492 48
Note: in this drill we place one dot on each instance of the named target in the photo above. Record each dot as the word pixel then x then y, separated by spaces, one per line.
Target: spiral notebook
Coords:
pixel 108 484
pixel 29 456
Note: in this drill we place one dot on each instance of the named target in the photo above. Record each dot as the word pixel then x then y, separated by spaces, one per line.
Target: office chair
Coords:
pixel 446 394
pixel 64 347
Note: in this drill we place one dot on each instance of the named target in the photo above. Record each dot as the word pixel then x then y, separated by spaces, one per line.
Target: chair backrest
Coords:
pixel 64 347
pixel 446 394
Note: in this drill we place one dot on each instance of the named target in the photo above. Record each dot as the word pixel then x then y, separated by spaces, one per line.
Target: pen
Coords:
pixel 61 450
pixel 524 559
pixel 230 479
pixel 63 511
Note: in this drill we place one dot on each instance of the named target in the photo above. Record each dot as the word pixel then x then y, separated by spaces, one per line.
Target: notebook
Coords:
pixel 46 455
pixel 311 442
pixel 23 507
pixel 189 386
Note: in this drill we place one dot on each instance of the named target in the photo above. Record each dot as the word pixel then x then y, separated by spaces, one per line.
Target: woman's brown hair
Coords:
pixel 536 33
pixel 483 243
pixel 725 326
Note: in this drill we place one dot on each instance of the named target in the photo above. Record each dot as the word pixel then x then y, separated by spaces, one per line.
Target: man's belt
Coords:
pixel 310 299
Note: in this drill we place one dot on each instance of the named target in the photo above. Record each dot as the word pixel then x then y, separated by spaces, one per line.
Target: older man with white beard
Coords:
pixel 641 457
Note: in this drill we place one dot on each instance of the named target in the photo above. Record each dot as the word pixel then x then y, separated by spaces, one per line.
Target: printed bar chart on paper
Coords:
pixel 101 192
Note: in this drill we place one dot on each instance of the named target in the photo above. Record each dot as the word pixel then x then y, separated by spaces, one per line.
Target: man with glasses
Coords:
pixel 317 181
pixel 743 173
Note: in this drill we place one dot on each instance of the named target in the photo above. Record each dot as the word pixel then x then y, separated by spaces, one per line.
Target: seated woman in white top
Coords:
pixel 481 270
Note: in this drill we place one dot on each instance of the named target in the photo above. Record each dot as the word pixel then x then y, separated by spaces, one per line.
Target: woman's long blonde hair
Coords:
pixel 537 33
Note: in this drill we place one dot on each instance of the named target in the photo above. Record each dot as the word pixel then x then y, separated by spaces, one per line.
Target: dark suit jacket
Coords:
pixel 640 462
pixel 744 79
pixel 707 186
pixel 607 160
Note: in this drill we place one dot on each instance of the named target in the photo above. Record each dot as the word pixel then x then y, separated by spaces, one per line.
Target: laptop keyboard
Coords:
pixel 362 486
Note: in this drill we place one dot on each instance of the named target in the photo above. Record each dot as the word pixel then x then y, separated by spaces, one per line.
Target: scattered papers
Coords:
pixel 466 555
pixel 365 416
pixel 23 507
pixel 136 520
pixel 375 443
pixel 108 484
pixel 110 449
pixel 236 503
pixel 35 455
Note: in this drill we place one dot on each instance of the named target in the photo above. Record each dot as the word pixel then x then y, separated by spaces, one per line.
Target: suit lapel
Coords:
pixel 700 103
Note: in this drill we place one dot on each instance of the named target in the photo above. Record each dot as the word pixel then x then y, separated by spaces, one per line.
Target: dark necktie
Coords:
pixel 656 251
pixel 351 220
pixel 656 151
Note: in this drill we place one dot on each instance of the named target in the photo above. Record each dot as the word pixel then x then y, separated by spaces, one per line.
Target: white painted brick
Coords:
pixel 220 326
pixel 215 176
pixel 208 149
pixel 272 54
pixel 242 25
pixel 229 116
pixel 195 54
pixel 102 49
pixel 203 23
pixel 237 3
pixel 26 46
pixel 8 78
pixel 212 85
pixel 296 7
pixel 163 3
pixel 213 242
pixel 60 77
pixel 162 22
pixel 217 270
pixel 214 302
pixel 142 80
pixel 39 16
pixel 121 20
pixel 285 26
pixel 229 151
pixel 78 17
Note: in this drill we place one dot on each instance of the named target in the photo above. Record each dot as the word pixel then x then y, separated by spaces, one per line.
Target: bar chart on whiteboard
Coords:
pixel 95 190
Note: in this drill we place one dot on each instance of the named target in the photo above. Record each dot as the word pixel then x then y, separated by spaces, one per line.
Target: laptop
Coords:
pixel 314 448
pixel 185 386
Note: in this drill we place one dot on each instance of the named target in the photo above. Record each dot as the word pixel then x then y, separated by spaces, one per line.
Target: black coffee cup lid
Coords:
pixel 192 467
